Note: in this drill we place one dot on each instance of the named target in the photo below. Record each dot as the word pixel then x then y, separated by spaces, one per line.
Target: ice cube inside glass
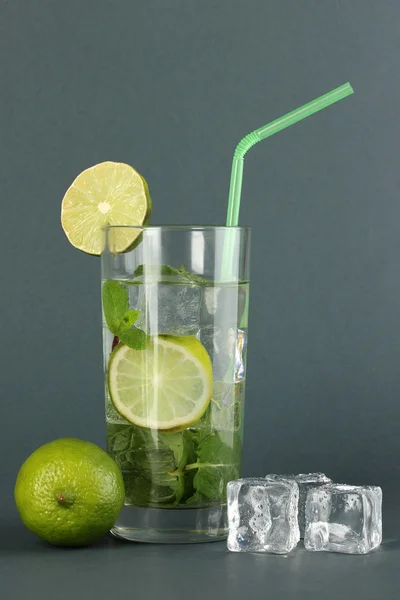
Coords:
pixel 343 518
pixel 262 515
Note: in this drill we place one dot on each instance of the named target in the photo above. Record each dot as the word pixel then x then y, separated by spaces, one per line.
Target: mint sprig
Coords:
pixel 120 318
pixel 188 467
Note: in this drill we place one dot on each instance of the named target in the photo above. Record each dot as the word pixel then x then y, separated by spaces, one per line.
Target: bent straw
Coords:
pixel 250 140
pixel 262 133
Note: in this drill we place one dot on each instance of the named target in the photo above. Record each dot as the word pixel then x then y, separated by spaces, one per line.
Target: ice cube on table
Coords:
pixel 169 309
pixel 343 518
pixel 306 482
pixel 262 515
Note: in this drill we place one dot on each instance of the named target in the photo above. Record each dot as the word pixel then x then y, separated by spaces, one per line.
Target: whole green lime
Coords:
pixel 69 492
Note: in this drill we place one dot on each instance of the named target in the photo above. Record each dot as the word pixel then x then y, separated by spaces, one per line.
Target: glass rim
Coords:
pixel 179 227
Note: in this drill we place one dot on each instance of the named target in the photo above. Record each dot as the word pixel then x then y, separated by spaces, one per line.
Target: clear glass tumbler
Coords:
pixel 175 308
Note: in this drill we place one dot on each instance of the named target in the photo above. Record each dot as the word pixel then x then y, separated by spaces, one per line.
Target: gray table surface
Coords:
pixel 31 569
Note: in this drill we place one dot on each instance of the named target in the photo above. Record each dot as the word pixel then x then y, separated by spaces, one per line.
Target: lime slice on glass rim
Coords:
pixel 109 193
pixel 167 386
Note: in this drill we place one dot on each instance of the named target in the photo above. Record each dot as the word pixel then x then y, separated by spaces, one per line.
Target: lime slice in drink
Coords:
pixel 166 386
pixel 109 193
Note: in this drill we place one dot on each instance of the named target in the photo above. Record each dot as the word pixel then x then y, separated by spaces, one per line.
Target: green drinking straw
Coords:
pixel 250 140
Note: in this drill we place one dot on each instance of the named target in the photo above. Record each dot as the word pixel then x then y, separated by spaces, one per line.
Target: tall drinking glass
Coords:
pixel 175 338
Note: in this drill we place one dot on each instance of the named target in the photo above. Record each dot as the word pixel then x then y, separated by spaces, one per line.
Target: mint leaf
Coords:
pixel 197 500
pixel 134 338
pixel 182 446
pixel 115 305
pixel 218 463
pixel 130 317
pixel 145 463
pixel 168 273
pixel 120 318
pixel 183 273
pixel 141 491
pixel 155 270
pixel 157 465
pixel 120 442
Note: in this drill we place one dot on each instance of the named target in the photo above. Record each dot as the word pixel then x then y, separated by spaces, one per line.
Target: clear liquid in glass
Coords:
pixel 165 503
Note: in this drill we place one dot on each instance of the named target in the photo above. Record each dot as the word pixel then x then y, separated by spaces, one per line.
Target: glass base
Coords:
pixel 172 526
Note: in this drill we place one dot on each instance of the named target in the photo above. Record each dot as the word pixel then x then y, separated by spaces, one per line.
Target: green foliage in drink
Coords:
pixel 190 467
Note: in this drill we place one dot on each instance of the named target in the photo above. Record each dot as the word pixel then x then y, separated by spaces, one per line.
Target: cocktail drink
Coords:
pixel 175 308
pixel 175 337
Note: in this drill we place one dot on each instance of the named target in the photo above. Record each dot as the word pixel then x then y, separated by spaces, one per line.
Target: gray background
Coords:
pixel 170 86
